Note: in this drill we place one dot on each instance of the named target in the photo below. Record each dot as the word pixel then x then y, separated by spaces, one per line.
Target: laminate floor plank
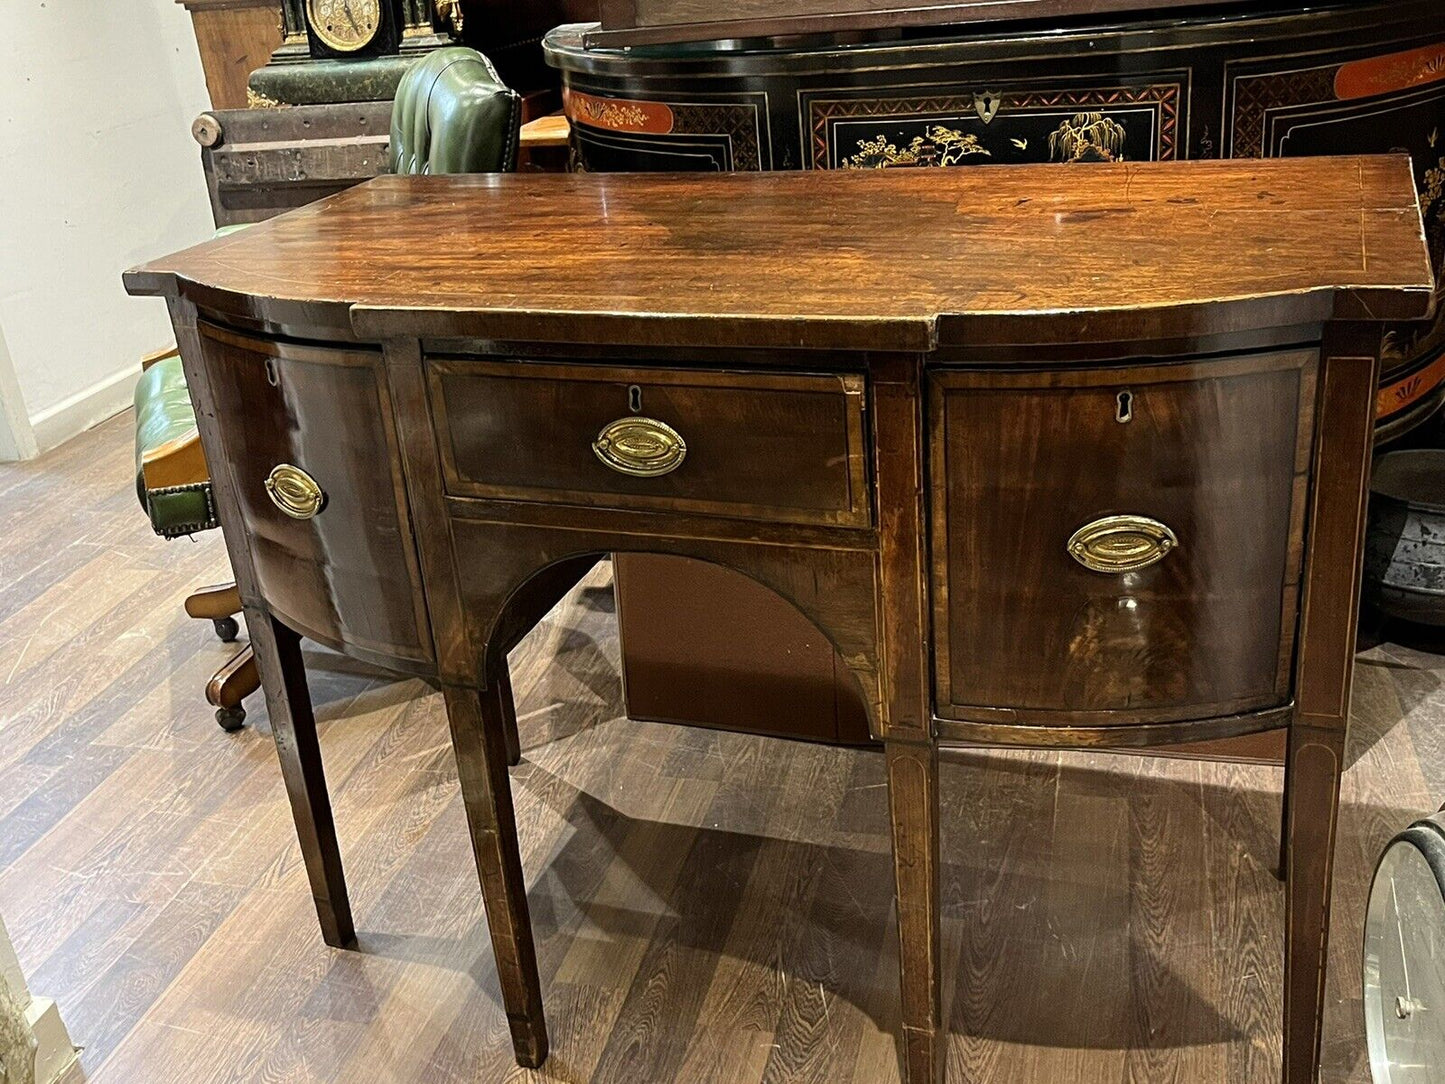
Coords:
pixel 709 907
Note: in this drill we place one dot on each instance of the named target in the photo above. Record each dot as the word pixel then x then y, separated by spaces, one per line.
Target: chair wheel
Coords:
pixel 231 719
pixel 227 628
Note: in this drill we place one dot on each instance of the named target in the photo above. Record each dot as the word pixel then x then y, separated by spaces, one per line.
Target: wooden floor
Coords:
pixel 709 907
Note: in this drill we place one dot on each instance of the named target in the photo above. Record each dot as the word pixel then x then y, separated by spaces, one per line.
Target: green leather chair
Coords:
pixel 451 114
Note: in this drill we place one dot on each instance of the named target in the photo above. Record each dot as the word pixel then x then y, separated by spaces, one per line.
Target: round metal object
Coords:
pixel 1404 958
pixel 231 719
pixel 294 491
pixel 641 447
pixel 1114 544
pixel 227 628
pixel 345 25
pixel 1405 543
pixel 206 130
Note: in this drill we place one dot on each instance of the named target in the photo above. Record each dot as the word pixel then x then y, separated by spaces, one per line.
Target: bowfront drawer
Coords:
pixel 787 448
pixel 312 457
pixel 1118 546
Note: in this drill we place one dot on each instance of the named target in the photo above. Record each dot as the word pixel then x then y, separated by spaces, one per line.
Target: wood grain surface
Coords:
pixel 837 259
pixel 715 907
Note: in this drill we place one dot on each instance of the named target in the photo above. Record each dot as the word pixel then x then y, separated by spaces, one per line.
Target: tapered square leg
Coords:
pixel 1312 781
pixel 1324 669
pixel 913 812
pixel 479 736
pixel 283 677
pixel 509 716
pixel 1282 870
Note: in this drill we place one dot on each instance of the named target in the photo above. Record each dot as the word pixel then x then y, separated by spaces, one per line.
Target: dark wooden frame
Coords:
pixel 653 22
pixel 491 568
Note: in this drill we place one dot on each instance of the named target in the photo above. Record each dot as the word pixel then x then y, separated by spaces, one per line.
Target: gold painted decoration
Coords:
pixel 1088 137
pixel 941 147
pixel 641 447
pixel 1115 544
pixel 294 491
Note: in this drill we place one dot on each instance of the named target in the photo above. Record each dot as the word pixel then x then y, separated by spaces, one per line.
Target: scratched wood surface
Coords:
pixel 830 258
pixel 709 906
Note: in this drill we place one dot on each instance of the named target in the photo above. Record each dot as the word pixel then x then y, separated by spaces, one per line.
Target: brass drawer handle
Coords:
pixel 1122 544
pixel 294 491
pixel 641 447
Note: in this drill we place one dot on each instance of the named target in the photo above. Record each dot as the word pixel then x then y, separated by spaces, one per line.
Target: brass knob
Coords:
pixel 1116 544
pixel 294 491
pixel 641 447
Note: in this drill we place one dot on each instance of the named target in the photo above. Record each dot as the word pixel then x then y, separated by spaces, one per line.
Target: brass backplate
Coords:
pixel 641 447
pixel 294 491
pixel 1114 544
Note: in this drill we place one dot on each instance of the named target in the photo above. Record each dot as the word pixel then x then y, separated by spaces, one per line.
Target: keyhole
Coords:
pixel 634 398
pixel 273 377
pixel 1126 407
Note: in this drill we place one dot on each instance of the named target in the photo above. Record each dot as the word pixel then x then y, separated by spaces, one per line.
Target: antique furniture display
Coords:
pixel 1405 547
pixel 344 50
pixel 1404 957
pixel 1161 478
pixel 174 486
pixel 451 114
pixel 336 51
pixel 1120 81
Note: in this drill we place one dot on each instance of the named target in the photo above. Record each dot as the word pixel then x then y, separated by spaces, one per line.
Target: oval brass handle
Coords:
pixel 294 491
pixel 1122 544
pixel 641 447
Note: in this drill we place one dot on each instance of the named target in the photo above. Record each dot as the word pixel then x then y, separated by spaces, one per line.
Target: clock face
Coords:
pixel 1404 970
pixel 345 25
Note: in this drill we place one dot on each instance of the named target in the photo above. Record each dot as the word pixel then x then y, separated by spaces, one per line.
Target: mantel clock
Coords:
pixel 353 28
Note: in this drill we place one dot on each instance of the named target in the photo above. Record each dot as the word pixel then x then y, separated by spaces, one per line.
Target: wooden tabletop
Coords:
pixel 905 258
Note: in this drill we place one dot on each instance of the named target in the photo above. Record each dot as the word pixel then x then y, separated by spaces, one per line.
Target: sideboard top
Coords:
pixel 877 259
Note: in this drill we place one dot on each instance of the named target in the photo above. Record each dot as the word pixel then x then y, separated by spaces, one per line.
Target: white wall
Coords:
pixel 98 171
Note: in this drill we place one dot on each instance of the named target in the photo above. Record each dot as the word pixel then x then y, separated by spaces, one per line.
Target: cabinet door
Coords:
pixel 1118 546
pixel 347 575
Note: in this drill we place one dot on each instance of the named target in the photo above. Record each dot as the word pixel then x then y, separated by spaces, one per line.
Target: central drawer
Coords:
pixel 1114 547
pixel 783 447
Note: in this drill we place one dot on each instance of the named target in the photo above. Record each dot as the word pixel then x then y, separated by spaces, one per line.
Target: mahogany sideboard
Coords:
pixel 1079 467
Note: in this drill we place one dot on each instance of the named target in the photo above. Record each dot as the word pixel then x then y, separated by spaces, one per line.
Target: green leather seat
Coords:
pixel 163 415
pixel 452 114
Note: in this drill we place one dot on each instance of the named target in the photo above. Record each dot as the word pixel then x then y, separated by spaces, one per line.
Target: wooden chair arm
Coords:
pixel 548 131
pixel 178 462
pixel 157 355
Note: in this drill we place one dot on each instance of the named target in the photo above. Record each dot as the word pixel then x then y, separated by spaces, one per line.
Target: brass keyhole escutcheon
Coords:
pixel 294 491
pixel 1114 544
pixel 1125 412
pixel 641 447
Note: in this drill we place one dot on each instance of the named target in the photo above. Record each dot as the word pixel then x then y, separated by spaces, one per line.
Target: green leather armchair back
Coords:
pixel 452 114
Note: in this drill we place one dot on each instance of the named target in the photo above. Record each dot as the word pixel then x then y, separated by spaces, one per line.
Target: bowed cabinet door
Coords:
pixel 317 422
pixel 1118 546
